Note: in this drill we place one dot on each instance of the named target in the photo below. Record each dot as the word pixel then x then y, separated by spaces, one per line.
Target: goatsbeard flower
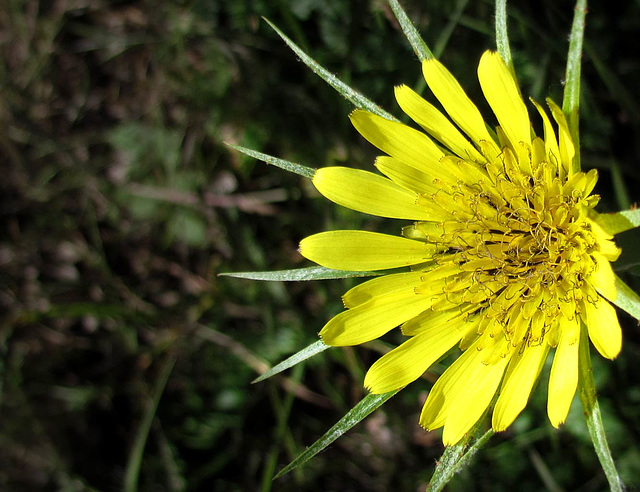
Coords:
pixel 505 259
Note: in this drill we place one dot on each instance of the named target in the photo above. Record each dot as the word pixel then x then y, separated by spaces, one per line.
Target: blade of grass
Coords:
pixel 571 99
pixel 292 167
pixel 304 354
pixel 299 274
pixel 367 405
pixel 447 32
pixel 132 471
pixel 420 48
pixel 353 96
pixel 620 190
pixel 176 481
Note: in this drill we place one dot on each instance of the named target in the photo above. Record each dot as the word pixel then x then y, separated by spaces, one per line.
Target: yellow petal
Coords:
pixel 604 328
pixel 437 279
pixel 386 284
pixel 374 318
pixel 436 124
pixel 369 193
pixel 406 176
pixel 502 94
pixel 550 140
pixel 455 101
pixel 603 278
pixel 522 373
pixel 605 246
pixel 411 359
pixel 473 400
pixel 442 395
pixel 363 250
pixel 563 379
pixel 429 319
pixel 567 149
pixel 461 395
pixel 400 141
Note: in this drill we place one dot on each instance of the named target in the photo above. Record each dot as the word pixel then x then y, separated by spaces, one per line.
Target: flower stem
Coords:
pixel 587 391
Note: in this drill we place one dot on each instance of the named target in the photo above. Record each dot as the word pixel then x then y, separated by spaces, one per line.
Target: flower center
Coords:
pixel 522 245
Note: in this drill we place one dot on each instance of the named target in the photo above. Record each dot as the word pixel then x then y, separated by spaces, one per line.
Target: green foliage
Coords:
pixel 121 205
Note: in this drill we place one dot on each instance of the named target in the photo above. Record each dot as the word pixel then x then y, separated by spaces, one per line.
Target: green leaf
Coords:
pixel 454 459
pixel 420 48
pixel 587 392
pixel 353 96
pixel 571 99
pixel 367 405
pixel 502 36
pixel 292 167
pixel 627 299
pixel 306 353
pixel 618 222
pixel 300 274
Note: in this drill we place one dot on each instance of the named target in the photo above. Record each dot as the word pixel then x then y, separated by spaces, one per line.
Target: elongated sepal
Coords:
pixel 591 410
pixel 304 354
pixel 502 37
pixel 354 416
pixel 292 167
pixel 454 459
pixel 420 48
pixel 627 299
pixel 353 96
pixel 571 99
pixel 299 274
pixel 618 222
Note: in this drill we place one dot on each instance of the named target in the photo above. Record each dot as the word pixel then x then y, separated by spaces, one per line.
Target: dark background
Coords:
pixel 120 205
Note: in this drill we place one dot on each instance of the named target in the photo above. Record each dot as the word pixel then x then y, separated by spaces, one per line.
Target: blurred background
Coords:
pixel 126 361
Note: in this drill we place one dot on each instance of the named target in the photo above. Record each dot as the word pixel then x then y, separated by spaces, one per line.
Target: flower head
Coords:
pixel 505 261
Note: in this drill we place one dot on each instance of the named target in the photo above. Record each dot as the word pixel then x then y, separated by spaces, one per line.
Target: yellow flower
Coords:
pixel 505 261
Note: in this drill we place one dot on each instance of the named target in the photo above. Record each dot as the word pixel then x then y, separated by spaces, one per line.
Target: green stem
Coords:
pixel 571 99
pixel 587 392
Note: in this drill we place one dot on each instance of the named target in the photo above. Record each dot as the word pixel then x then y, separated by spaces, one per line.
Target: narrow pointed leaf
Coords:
pixel 292 167
pixel 502 37
pixel 306 353
pixel 300 274
pixel 571 99
pixel 587 392
pixel 627 299
pixel 454 459
pixel 353 96
pixel 618 222
pixel 367 405
pixel 420 48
